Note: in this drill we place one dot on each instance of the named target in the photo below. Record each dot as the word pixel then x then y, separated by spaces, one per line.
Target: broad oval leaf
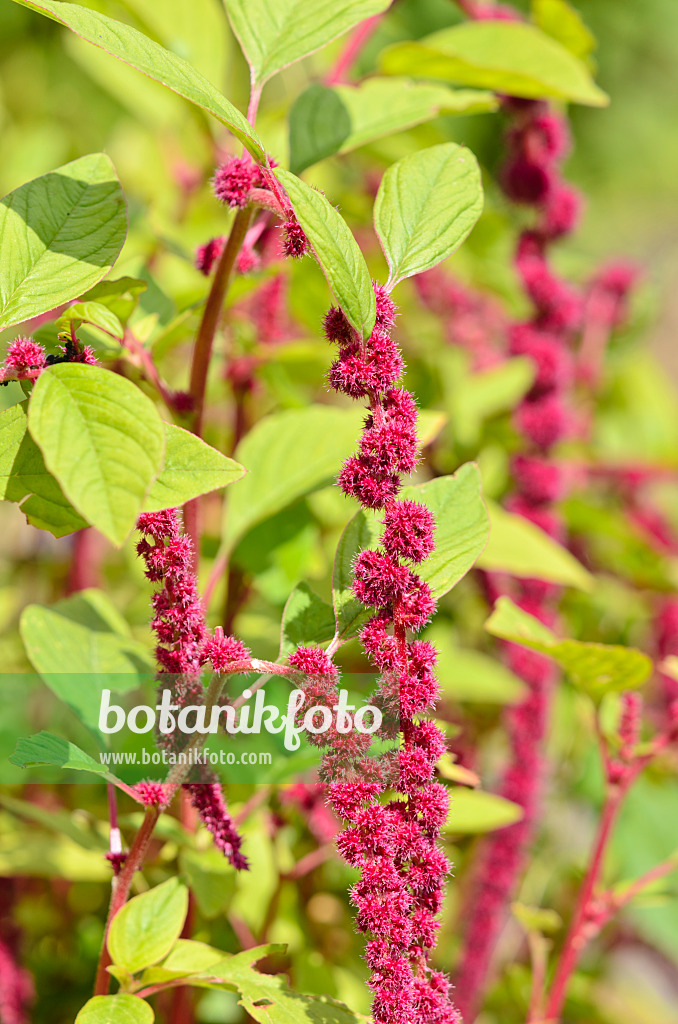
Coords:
pixel 140 52
pixel 191 468
pixel 103 440
pixel 46 749
pixel 460 536
pixel 505 56
pixel 276 33
pixel 288 454
pixel 473 811
pixel 337 251
pixel 59 235
pixel 518 547
pixel 597 669
pixel 146 928
pixel 24 478
pixel 94 313
pixel 81 646
pixel 560 19
pixel 326 120
pixel 119 1009
pixel 306 619
pixel 426 206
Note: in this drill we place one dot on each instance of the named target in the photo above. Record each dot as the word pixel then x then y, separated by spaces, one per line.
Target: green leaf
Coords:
pixel 198 32
pixel 211 879
pixel 81 647
pixel 187 957
pixel 268 999
pixel 508 57
pixel 542 920
pixel 461 535
pixel 275 33
pixel 473 811
pixel 306 619
pixel 426 206
pixel 140 52
pixel 119 296
pixel 325 120
pixel 120 1009
pixel 24 477
pixel 46 749
pixel 59 235
pixel 94 313
pixel 66 823
pixel 103 440
pixel 288 455
pixel 478 396
pixel 559 19
pixel 470 676
pixel 337 251
pixel 25 852
pixel 146 928
pixel 518 547
pixel 597 669
pixel 191 468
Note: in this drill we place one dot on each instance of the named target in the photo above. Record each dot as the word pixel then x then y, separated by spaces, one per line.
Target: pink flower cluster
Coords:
pixel 537 142
pixel 26 359
pixel 472 320
pixel 403 872
pixel 184 647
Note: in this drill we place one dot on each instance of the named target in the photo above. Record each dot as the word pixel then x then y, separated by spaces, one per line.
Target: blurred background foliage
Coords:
pixel 60 99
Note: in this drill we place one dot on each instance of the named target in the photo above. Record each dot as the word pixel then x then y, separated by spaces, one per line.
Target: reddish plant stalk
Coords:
pixel 358 38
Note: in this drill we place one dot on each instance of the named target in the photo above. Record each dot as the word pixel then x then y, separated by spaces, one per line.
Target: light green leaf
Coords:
pixel 518 547
pixel 46 749
pixel 597 669
pixel 146 928
pixel 325 120
pixel 563 22
pixel 508 57
pixel 211 879
pixel 470 676
pixel 187 956
pixel 140 52
pixel 80 648
pixel 337 251
pixel 198 31
pixel 268 999
pixel 461 535
pixel 94 313
pixel 103 440
pixel 306 620
pixel 120 1009
pixel 426 206
pixel 288 454
pixel 191 468
pixel 275 33
pixel 542 920
pixel 59 235
pixel 24 477
pixel 478 396
pixel 120 296
pixel 472 811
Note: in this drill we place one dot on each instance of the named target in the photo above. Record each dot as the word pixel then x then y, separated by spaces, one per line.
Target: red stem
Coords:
pixel 121 887
pixel 349 54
